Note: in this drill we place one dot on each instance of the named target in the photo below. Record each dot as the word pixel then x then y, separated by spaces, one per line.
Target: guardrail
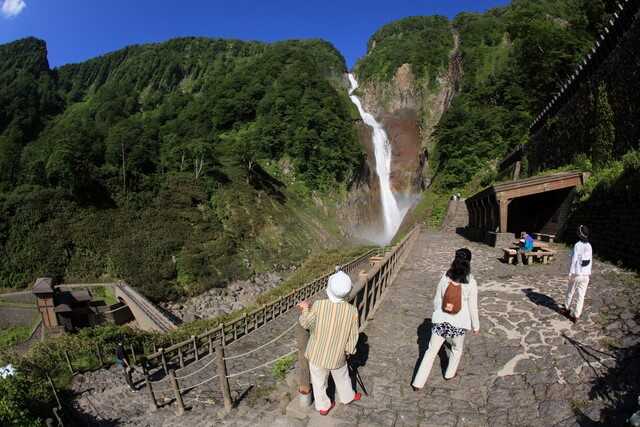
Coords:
pixel 149 310
pixel 226 333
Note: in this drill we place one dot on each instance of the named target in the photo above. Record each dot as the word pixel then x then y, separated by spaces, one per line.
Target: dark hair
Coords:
pixel 463 253
pixel 459 270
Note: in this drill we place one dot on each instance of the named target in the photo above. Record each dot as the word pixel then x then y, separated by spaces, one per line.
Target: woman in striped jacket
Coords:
pixel 333 323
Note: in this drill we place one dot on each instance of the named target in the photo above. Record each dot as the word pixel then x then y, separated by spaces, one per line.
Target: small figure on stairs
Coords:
pixel 122 360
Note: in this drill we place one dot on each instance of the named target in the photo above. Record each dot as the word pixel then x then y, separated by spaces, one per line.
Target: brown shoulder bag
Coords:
pixel 452 300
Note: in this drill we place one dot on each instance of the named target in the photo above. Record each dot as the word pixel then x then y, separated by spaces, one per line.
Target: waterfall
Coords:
pixel 392 214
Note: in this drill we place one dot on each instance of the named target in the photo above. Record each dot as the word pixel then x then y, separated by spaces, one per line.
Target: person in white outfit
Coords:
pixel 579 274
pixel 455 310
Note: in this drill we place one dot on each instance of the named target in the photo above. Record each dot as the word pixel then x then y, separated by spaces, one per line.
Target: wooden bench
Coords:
pixel 545 256
pixel 510 255
pixel 544 237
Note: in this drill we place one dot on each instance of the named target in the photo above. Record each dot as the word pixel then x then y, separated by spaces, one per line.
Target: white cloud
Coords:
pixel 11 8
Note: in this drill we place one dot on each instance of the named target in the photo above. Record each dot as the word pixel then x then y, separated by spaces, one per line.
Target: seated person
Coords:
pixel 525 244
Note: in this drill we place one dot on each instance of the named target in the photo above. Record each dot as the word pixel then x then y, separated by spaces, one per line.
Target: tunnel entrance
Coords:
pixel 541 213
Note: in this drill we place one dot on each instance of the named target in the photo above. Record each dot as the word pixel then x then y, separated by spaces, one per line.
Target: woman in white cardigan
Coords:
pixel 451 324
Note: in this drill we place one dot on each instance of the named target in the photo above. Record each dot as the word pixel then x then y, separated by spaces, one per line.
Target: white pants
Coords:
pixel 434 347
pixel 319 378
pixel 576 291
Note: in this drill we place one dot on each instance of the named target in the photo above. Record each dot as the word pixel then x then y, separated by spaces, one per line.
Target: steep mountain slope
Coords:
pixel 177 166
pixel 514 59
pixel 406 83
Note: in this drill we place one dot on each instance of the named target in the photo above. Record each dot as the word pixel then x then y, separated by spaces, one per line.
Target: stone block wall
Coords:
pixel 614 221
pixel 568 131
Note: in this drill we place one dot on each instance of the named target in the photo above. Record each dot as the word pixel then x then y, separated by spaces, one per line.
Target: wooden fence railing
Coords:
pixel 366 296
pixel 192 349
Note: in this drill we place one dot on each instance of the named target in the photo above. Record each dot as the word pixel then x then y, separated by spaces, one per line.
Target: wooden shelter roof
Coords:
pixel 43 285
pixel 528 186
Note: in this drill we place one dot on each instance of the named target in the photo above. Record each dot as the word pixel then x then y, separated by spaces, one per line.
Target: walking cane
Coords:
pixel 358 377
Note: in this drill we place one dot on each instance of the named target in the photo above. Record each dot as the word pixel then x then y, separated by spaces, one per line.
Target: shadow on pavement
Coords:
pixel 543 300
pixel 618 386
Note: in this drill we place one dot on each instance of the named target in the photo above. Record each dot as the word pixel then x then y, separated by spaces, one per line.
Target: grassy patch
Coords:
pixel 14 335
pixel 431 209
pixel 282 366
pixel 106 293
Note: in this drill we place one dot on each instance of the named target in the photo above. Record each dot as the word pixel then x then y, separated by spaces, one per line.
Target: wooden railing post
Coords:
pixel 194 341
pixel 133 354
pixel 99 353
pixel 66 356
pixel 222 376
pixel 304 379
pixel 365 308
pixel 180 357
pixel 246 325
pixel 223 338
pixel 176 389
pixel 154 403
pixel 163 360
pixel 53 389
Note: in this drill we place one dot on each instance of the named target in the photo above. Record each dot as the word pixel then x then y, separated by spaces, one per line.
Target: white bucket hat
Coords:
pixel 338 286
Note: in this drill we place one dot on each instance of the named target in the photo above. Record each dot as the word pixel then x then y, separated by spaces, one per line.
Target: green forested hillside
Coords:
pixel 150 163
pixel 514 59
pixel 422 41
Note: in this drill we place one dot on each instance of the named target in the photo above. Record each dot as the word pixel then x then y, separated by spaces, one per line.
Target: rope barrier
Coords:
pixel 198 385
pixel 197 370
pixel 238 356
pixel 263 365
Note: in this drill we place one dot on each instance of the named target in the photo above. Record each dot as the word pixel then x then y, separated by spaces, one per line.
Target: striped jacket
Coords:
pixel 334 332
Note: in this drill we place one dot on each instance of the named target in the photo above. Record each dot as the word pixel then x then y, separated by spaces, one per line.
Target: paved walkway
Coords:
pixel 529 367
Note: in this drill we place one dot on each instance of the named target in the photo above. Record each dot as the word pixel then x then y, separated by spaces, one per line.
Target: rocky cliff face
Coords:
pixel 410 109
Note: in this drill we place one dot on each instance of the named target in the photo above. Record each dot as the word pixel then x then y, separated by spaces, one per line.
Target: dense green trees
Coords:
pixel 144 164
pixel 422 41
pixel 514 60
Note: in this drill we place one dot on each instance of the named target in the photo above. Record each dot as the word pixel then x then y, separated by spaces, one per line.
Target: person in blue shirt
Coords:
pixel 525 245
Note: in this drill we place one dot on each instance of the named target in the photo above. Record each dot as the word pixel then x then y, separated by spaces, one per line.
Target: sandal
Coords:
pixel 326 411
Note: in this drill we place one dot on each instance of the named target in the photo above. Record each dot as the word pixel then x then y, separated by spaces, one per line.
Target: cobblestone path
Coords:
pixel 529 367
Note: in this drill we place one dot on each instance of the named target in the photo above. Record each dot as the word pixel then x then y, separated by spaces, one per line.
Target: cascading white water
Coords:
pixel 382 150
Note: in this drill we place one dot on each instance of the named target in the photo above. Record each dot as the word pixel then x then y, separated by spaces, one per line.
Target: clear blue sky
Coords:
pixel 76 30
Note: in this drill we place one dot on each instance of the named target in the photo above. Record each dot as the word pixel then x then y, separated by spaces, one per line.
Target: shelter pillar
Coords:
pixel 504 214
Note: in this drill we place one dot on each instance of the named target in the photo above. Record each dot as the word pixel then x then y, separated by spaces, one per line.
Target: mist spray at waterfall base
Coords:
pixel 393 212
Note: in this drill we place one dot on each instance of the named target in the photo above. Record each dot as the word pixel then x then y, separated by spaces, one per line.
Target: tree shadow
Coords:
pixel 618 386
pixel 423 337
pixel 543 300
pixel 261 180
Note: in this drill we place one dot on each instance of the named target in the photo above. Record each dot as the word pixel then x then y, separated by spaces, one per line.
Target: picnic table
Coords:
pixel 540 252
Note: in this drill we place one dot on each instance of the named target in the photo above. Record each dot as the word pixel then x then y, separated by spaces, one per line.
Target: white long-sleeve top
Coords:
pixel 467 317
pixel 581 252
